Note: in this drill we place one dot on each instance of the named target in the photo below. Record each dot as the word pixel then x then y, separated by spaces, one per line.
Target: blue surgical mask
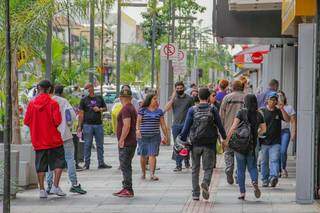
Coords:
pixel 86 92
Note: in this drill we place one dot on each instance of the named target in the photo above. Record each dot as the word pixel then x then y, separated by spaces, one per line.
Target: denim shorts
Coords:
pixel 149 145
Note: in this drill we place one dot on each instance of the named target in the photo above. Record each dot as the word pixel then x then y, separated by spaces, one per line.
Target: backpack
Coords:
pixel 203 125
pixel 242 137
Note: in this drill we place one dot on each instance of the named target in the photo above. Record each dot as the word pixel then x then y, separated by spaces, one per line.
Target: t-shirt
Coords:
pixel 90 116
pixel 150 124
pixel 290 110
pixel 220 96
pixel 255 119
pixel 180 107
pixel 273 120
pixel 128 111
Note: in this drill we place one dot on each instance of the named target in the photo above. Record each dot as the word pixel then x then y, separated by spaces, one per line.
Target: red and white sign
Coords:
pixel 180 64
pixel 169 50
pixel 257 58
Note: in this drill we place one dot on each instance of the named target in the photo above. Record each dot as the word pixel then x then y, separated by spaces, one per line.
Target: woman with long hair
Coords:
pixel 251 115
pixel 150 119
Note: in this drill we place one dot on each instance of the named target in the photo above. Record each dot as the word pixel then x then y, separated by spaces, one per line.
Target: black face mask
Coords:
pixel 180 92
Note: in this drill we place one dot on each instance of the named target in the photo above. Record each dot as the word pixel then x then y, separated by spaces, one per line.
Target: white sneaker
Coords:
pixel 43 194
pixel 57 191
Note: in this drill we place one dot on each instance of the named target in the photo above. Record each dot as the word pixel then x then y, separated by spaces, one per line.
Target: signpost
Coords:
pixel 169 51
pixel 180 63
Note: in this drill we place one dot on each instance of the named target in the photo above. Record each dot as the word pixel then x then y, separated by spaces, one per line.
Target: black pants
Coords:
pixel 126 155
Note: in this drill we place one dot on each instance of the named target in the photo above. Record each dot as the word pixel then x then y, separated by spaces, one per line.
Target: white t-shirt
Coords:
pixel 289 109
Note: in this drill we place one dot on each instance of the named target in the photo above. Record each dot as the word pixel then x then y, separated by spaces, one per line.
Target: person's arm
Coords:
pixel 223 111
pixel 293 122
pixel 164 129
pixel 285 115
pixel 125 131
pixel 187 125
pixel 102 108
pixel 218 122
pixel 169 105
pixel 138 126
pixel 27 117
pixel 262 128
pixel 81 115
pixel 57 119
pixel 233 128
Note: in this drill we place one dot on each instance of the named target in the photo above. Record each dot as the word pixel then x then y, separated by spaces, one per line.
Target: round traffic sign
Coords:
pixel 257 57
pixel 169 50
pixel 181 55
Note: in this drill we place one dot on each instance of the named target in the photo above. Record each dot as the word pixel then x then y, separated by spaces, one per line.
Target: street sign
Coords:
pixel 257 58
pixel 180 63
pixel 169 50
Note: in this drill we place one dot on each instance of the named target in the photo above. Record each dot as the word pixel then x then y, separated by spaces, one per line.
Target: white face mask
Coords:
pixel 86 92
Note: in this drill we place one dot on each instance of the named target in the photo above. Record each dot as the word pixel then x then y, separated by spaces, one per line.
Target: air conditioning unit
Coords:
pixel 254 5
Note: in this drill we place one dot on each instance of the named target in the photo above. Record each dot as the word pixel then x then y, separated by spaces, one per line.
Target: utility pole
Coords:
pixel 91 57
pixel 101 48
pixel 49 50
pixel 154 25
pixel 118 47
pixel 8 115
pixel 69 36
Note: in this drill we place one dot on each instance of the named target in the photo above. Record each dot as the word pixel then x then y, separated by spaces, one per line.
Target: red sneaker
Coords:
pixel 117 193
pixel 126 193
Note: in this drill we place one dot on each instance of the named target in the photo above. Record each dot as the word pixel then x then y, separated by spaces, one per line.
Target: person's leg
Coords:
pixel 207 164
pixel 88 138
pixel 253 171
pixel 196 157
pixel 229 161
pixel 57 176
pixel 241 169
pixel 99 137
pixel 152 164
pixel 285 140
pixel 71 166
pixel 41 176
pixel 143 164
pixel 274 154
pixel 176 130
pixel 49 176
pixel 125 156
pixel 265 164
pixel 42 165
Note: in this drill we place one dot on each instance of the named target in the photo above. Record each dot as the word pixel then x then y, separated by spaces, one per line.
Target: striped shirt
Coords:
pixel 150 124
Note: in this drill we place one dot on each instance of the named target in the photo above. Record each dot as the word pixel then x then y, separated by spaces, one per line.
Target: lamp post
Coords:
pixel 8 115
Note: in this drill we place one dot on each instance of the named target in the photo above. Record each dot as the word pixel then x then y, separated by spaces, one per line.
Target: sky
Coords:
pixel 135 13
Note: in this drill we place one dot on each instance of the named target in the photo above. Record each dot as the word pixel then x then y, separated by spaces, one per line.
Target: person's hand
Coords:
pixel 224 144
pixel 174 93
pixel 121 143
pixel 96 109
pixel 293 138
pixel 281 106
pixel 164 140
pixel 138 134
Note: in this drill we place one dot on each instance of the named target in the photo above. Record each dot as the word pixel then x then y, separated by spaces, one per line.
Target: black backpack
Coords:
pixel 241 140
pixel 203 125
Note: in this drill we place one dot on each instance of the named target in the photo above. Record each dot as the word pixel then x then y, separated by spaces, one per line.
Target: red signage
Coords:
pixel 257 58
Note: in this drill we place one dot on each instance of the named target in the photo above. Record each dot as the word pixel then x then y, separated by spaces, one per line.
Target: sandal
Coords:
pixel 154 178
pixel 257 192
pixel 242 197
pixel 143 177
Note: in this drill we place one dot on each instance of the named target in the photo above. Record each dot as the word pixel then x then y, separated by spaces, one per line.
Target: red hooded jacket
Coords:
pixel 43 118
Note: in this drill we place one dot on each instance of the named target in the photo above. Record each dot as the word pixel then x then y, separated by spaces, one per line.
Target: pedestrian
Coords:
pixel 254 119
pixel 192 87
pixel 273 114
pixel 179 103
pixel 201 125
pixel 230 105
pixel 68 117
pixel 43 118
pixel 223 87
pixel 263 96
pixel 90 123
pixel 288 133
pixel 213 99
pixel 127 143
pixel 150 118
pixel 195 96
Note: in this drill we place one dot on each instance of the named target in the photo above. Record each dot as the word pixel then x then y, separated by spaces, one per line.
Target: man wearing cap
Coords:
pixel 126 134
pixel 43 118
pixel 90 123
pixel 270 144
pixel 263 97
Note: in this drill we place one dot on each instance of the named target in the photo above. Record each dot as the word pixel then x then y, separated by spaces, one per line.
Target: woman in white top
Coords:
pixel 288 133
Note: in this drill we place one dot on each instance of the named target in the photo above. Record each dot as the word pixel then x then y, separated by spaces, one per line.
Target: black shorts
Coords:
pixel 52 158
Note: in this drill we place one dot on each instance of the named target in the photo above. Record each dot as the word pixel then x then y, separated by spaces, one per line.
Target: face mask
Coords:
pixel 86 92
pixel 180 92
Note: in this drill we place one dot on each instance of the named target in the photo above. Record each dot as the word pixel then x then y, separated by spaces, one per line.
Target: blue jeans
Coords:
pixel 88 132
pixel 270 162
pixel 246 161
pixel 176 130
pixel 69 156
pixel 285 140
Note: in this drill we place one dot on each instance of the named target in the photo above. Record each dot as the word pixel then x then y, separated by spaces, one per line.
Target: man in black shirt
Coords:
pixel 90 122
pixel 270 145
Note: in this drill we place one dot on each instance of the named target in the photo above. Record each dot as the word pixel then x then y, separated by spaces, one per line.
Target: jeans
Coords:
pixel 88 132
pixel 69 156
pixel 207 155
pixel 126 155
pixel 270 155
pixel 246 161
pixel 176 130
pixel 285 140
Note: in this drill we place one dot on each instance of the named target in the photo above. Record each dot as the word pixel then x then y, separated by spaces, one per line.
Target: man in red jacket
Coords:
pixel 43 118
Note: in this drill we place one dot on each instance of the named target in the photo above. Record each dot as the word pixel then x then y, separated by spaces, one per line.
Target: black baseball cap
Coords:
pixel 125 93
pixel 45 84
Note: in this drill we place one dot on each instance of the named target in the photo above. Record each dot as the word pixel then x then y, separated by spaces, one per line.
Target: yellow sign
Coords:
pixel 291 9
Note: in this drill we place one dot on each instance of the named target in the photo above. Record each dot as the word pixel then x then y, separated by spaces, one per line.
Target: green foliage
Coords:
pixel 107 127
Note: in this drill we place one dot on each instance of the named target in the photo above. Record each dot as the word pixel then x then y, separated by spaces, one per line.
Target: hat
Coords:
pixel 273 95
pixel 125 93
pixel 45 84
pixel 184 152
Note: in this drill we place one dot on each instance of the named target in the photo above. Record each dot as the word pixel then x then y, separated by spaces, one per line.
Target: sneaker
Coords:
pixel 125 193
pixel 79 168
pixel 77 189
pixel 284 173
pixel 104 166
pixel 195 198
pixel 48 190
pixel 265 184
pixel 205 191
pixel 230 179
pixel 187 164
pixel 274 182
pixel 86 167
pixel 117 193
pixel 257 192
pixel 178 169
pixel 57 191
pixel 43 194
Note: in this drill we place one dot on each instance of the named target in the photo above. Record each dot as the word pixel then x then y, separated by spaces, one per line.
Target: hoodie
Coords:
pixel 43 118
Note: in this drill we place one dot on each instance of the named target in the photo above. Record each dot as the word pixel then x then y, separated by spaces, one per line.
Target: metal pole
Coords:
pixel 153 48
pixel 49 50
pixel 102 35
pixel 8 117
pixel 69 36
pixel 91 57
pixel 118 46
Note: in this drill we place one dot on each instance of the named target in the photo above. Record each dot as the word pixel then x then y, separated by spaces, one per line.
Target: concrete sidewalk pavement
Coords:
pixel 171 194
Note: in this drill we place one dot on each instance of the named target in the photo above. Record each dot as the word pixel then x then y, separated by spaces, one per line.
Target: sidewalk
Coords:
pixel 171 194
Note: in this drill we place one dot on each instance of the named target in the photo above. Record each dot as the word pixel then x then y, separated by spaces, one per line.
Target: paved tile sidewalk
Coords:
pixel 171 194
